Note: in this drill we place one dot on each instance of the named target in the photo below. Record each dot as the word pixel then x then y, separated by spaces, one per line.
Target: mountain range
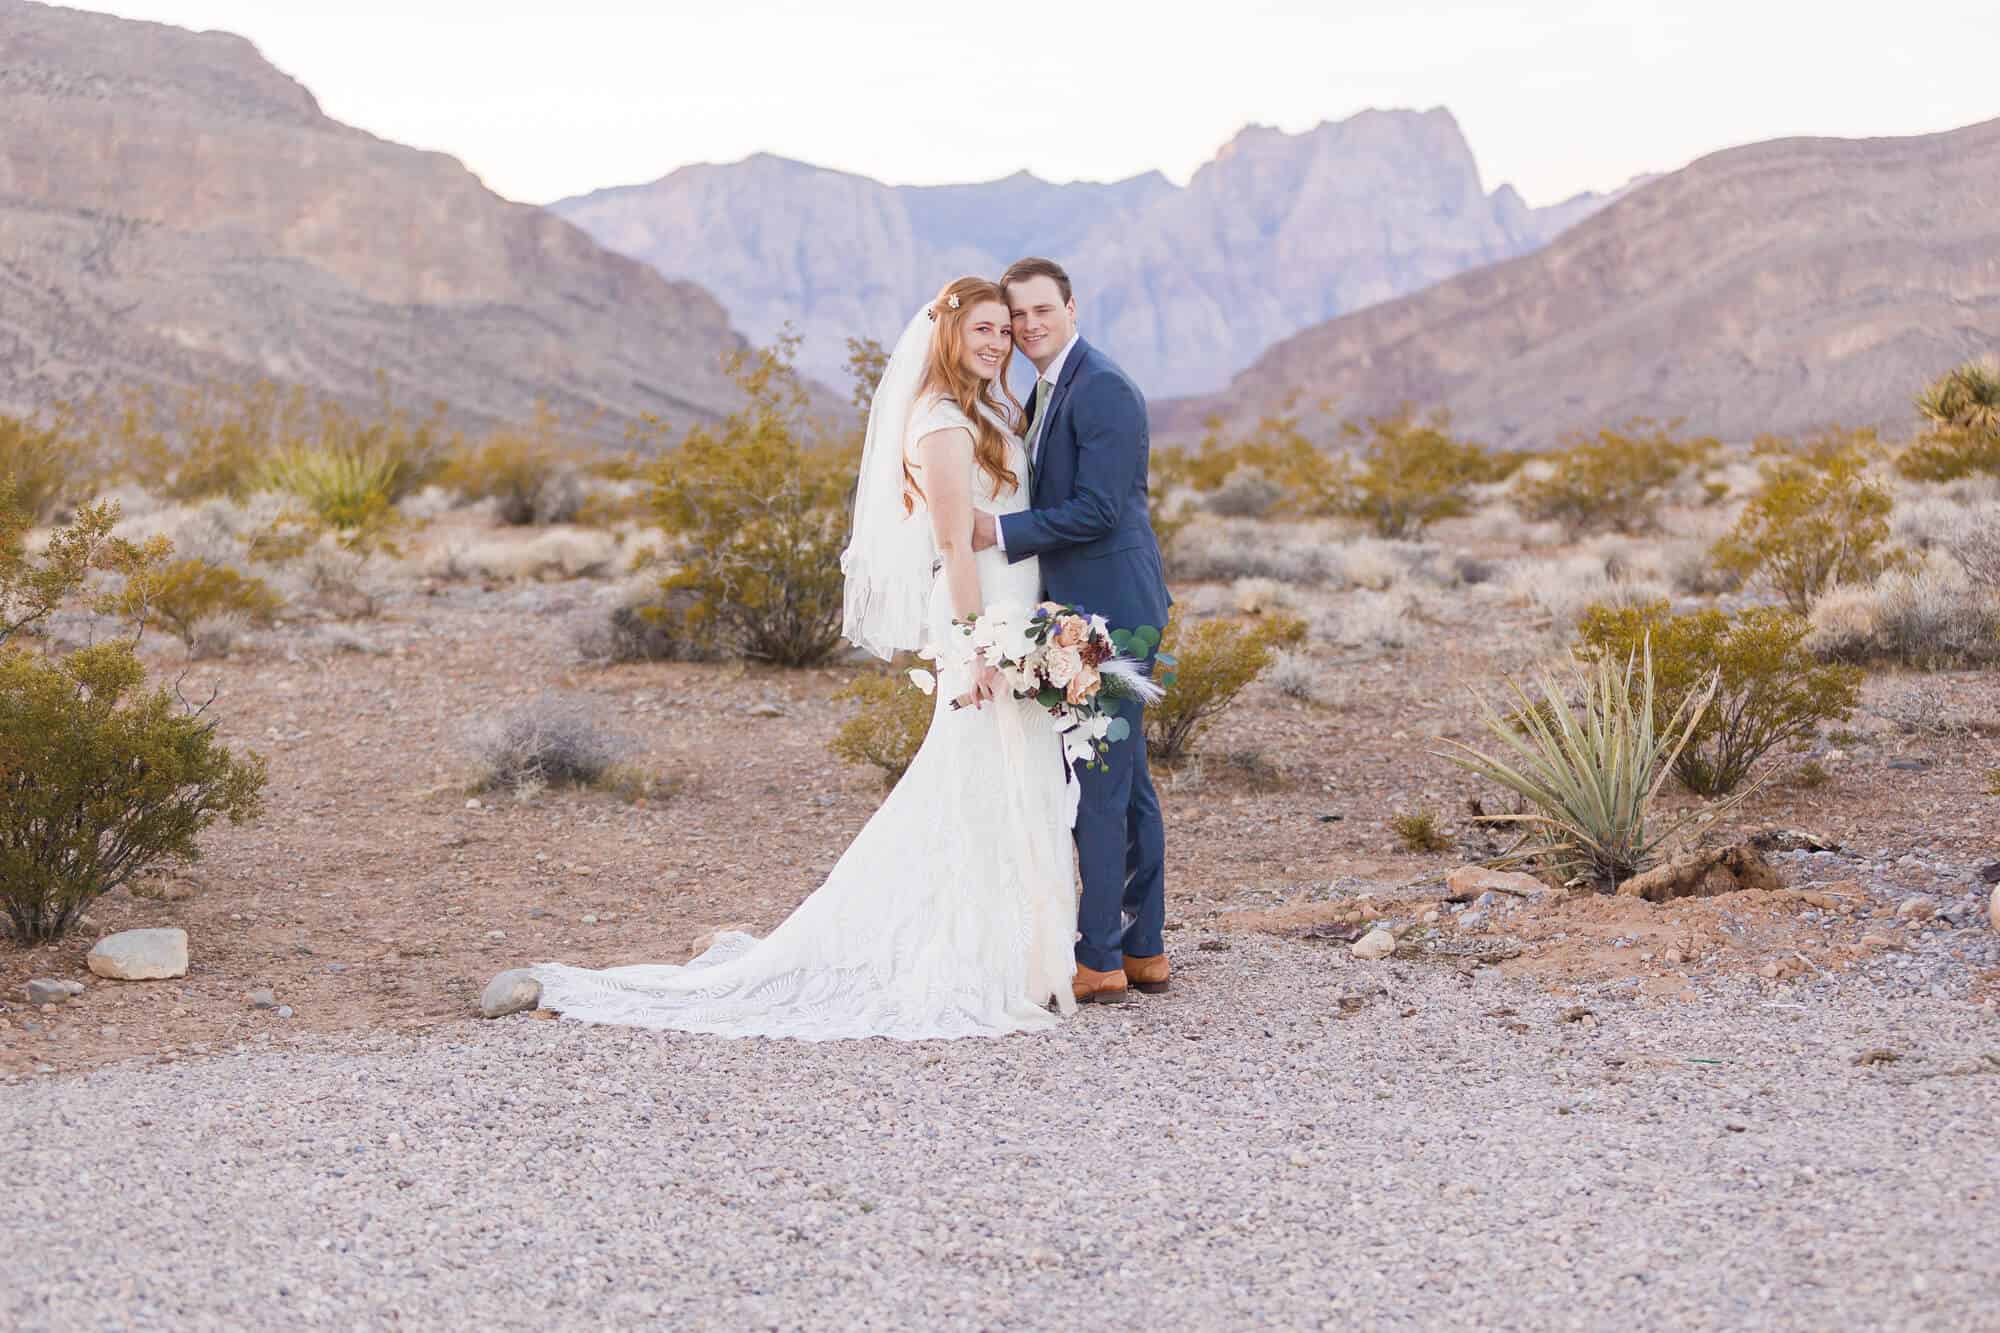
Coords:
pixel 1776 287
pixel 174 210
pixel 1182 285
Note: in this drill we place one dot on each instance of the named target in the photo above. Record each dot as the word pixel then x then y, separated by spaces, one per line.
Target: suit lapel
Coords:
pixel 1056 399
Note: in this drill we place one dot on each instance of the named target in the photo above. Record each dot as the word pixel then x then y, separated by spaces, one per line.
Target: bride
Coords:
pixel 953 912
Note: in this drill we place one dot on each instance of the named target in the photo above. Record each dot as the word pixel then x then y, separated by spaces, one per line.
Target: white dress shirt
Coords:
pixel 1053 374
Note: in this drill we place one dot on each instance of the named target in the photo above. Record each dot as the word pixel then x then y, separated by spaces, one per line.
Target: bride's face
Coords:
pixel 988 338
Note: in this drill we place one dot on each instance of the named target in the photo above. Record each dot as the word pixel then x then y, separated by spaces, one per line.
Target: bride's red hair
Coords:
pixel 947 376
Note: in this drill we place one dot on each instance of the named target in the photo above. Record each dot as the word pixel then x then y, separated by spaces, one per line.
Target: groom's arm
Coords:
pixel 1109 416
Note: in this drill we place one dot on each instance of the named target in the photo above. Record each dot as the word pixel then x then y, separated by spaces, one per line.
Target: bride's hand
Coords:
pixel 985 685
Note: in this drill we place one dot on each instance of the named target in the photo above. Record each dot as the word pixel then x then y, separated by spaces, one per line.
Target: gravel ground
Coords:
pixel 1290 1139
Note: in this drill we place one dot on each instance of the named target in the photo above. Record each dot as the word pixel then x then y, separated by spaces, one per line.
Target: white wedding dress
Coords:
pixel 951 914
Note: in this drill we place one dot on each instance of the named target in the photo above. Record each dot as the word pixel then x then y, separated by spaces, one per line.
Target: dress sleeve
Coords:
pixel 935 414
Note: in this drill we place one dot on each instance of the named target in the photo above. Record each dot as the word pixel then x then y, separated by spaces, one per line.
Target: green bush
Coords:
pixel 761 510
pixel 890 726
pixel 1962 439
pixel 32 590
pixel 1613 481
pixel 1411 473
pixel 1768 689
pixel 348 491
pixel 222 440
pixel 1816 520
pixel 1216 660
pixel 99 779
pixel 532 475
pixel 183 594
pixel 35 464
pixel 1274 469
pixel 1588 774
pixel 1420 832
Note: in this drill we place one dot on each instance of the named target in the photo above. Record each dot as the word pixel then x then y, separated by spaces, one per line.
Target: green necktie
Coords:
pixel 1042 391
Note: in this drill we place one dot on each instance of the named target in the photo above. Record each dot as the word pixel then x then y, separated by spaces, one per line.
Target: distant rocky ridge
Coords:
pixel 1775 287
pixel 173 209
pixel 1183 286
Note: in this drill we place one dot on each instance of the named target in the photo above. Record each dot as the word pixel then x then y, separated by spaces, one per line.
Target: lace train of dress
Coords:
pixel 951 914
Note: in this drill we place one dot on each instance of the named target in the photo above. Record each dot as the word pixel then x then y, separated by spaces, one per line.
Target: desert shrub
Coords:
pixel 1815 521
pixel 1587 774
pixel 1410 473
pixel 1973 539
pixel 1255 596
pixel 1296 676
pixel 1613 481
pixel 32 589
pixel 1962 439
pixel 647 626
pixel 889 727
pixel 1273 469
pixel 552 740
pixel 1227 552
pixel 1245 493
pixel 345 581
pixel 221 439
pixel 1420 831
pixel 1993 782
pixel 1217 659
pixel 762 512
pixel 100 779
pixel 1922 708
pixel 182 594
pixel 36 465
pixel 1373 620
pixel 1369 563
pixel 1934 616
pixel 1768 688
pixel 532 475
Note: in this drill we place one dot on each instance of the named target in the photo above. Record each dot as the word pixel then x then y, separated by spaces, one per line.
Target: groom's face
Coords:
pixel 1043 321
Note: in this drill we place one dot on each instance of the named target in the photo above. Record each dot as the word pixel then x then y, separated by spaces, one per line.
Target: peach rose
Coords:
pixel 1072 634
pixel 1083 684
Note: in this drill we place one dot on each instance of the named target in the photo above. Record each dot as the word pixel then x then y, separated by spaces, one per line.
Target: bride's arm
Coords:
pixel 946 457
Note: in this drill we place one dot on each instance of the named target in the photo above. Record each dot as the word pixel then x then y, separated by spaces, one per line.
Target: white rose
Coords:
pixel 923 680
pixel 1062 665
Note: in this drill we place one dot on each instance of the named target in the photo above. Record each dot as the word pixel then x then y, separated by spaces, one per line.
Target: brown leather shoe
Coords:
pixel 1148 975
pixel 1093 987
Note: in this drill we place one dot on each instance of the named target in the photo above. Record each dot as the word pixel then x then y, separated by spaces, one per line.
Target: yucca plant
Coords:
pixel 1967 398
pixel 347 489
pixel 1589 774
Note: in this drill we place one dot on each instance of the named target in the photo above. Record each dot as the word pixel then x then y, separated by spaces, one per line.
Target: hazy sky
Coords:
pixel 548 100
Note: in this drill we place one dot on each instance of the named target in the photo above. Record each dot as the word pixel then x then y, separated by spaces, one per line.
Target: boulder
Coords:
pixel 1376 944
pixel 511 992
pixel 1704 874
pixel 140 955
pixel 1919 908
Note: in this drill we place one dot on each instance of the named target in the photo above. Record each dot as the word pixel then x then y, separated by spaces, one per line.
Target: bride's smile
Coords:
pixel 988 339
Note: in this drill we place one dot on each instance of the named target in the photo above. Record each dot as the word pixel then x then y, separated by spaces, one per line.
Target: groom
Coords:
pixel 1087 452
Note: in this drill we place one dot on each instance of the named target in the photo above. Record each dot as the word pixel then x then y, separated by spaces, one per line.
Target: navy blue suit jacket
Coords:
pixel 1089 521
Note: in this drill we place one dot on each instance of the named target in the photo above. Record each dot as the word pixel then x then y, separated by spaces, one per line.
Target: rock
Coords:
pixel 1376 944
pixel 1472 920
pixel 1430 916
pixel 1576 1013
pixel 260 999
pixel 1704 874
pixel 1790 840
pixel 1468 882
pixel 510 992
pixel 766 709
pixel 1880 942
pixel 140 955
pixel 1990 873
pixel 284 1011
pixel 1920 908
pixel 589 918
pixel 1993 908
pixel 46 990
pixel 1486 900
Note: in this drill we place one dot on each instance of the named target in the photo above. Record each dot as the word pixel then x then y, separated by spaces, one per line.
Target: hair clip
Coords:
pixel 954 300
pixel 930 313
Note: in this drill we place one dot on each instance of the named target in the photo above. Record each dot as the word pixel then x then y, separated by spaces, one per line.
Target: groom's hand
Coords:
pixel 983 535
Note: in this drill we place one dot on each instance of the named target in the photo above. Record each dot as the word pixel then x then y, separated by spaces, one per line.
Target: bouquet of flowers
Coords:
pixel 1072 664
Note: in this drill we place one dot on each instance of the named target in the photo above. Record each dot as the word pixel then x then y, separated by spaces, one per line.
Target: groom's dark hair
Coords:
pixel 1033 267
